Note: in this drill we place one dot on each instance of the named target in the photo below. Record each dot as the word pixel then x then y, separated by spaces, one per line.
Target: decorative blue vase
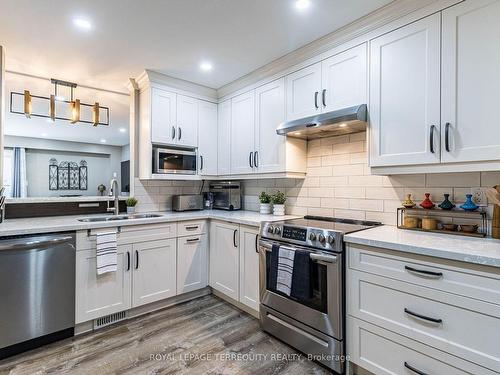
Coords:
pixel 469 205
pixel 446 204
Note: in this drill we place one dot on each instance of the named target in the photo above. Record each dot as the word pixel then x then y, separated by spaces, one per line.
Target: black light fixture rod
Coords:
pixel 63 83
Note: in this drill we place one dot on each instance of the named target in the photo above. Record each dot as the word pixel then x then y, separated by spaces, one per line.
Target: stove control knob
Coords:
pixel 270 229
pixel 312 236
pixel 277 230
pixel 331 240
pixel 321 238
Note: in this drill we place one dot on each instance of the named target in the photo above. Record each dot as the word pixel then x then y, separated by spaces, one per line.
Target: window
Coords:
pixel 7 171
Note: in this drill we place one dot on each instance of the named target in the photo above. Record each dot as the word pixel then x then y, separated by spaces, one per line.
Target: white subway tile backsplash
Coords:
pixel 338 183
pixel 454 179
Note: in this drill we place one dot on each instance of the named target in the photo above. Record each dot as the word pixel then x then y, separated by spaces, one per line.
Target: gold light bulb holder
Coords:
pixel 52 108
pixel 75 111
pixel 27 103
pixel 95 114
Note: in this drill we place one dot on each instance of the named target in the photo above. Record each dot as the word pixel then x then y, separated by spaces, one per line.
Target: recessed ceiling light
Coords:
pixel 103 141
pixel 302 4
pixel 206 66
pixel 82 23
pixel 123 130
pixel 343 125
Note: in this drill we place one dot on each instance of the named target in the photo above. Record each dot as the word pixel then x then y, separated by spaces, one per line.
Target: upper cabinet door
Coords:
pixel 471 81
pixel 163 115
pixel 303 92
pixel 224 138
pixel 242 133
pixel 187 121
pixel 344 79
pixel 207 138
pixel 270 112
pixel 405 95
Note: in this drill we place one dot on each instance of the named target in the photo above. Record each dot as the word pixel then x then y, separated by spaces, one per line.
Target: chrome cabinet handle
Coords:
pixel 234 237
pixel 423 317
pixel 250 159
pixel 323 258
pixel 424 272
pixel 447 137
pixel 256 159
pixel 180 133
pixel 201 162
pixel 323 97
pixel 411 368
pixel 173 132
pixel 316 100
pixel 192 227
pixel 431 138
pixel 128 260
pixel 136 259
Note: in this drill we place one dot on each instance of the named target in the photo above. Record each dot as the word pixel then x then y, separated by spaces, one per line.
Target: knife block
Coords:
pixel 495 223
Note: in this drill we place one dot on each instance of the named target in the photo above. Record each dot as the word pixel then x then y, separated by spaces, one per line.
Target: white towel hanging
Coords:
pixel 106 252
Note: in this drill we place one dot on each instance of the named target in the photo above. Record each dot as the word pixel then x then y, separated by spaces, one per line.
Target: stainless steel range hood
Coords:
pixel 339 122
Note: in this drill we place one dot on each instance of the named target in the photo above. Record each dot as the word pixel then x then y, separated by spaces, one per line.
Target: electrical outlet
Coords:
pixel 479 197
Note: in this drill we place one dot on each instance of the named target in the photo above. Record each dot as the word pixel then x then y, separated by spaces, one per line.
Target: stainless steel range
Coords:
pixel 312 322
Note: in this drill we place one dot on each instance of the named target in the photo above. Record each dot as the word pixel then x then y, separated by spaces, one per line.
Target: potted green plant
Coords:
pixel 131 203
pixel 278 201
pixel 265 203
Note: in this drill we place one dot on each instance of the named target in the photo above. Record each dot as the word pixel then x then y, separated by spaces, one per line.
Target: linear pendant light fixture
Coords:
pixel 75 106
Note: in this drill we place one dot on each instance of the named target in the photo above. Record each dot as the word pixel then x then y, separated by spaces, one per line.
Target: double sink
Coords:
pixel 118 218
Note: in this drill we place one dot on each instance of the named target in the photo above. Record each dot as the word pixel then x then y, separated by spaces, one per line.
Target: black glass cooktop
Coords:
pixel 331 223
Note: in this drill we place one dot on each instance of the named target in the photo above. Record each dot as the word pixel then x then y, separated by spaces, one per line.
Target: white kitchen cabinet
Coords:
pixel 303 92
pixel 224 138
pixel 344 79
pixel 154 271
pixel 163 116
pixel 224 258
pixel 207 138
pixel 470 81
pixel 242 133
pixel 405 95
pixel 187 121
pixel 192 263
pixel 105 294
pixel 275 153
pixel 249 267
pixel 270 112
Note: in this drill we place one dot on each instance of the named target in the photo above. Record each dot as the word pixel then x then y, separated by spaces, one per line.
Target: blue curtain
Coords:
pixel 16 180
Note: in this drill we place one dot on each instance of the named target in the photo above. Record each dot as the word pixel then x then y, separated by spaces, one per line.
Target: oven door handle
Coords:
pixel 314 256
pixel 323 258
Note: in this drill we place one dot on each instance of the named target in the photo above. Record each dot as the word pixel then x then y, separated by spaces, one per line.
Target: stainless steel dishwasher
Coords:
pixel 37 291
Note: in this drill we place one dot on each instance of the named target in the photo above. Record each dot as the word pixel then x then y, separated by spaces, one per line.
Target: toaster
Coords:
pixel 187 202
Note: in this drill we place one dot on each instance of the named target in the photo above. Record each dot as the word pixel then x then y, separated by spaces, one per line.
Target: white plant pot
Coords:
pixel 265 208
pixel 130 210
pixel 279 209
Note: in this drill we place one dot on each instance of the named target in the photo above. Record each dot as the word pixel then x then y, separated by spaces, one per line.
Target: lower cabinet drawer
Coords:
pixel 191 228
pixel 385 353
pixel 460 326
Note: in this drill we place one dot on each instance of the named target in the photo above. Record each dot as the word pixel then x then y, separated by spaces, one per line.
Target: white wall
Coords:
pixel 102 162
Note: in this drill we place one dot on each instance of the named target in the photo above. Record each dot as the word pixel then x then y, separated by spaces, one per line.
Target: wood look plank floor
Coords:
pixel 202 336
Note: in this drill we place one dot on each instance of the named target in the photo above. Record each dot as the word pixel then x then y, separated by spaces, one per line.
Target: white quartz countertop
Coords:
pixel 484 251
pixel 13 227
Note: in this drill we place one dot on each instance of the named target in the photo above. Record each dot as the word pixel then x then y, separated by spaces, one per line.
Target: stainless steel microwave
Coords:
pixel 176 161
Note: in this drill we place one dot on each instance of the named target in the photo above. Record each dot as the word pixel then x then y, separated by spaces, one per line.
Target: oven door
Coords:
pixel 324 311
pixel 175 161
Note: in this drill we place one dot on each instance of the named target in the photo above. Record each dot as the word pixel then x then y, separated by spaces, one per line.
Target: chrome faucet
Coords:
pixel 113 192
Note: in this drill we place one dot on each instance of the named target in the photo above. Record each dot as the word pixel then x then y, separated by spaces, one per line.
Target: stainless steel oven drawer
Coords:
pixel 318 346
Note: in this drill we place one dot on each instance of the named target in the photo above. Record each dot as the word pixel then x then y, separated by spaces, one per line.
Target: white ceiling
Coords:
pixel 168 36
